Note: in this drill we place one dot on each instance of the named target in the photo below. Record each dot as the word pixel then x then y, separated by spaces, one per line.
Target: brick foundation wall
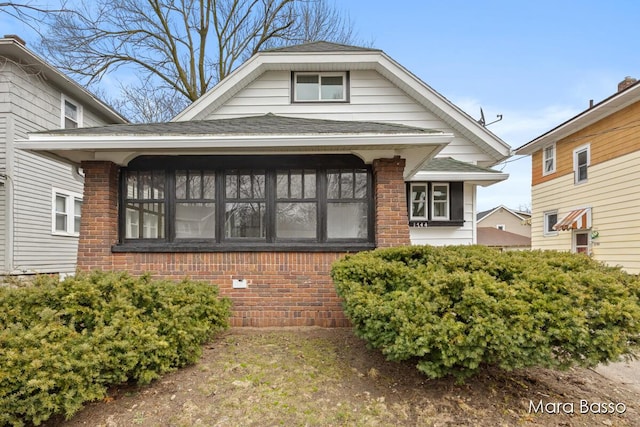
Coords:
pixel 283 288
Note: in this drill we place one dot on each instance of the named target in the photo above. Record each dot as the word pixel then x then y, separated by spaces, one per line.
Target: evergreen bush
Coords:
pixel 64 343
pixel 457 308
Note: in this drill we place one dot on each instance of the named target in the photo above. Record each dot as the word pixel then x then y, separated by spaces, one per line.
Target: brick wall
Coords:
pixel 392 221
pixel 283 288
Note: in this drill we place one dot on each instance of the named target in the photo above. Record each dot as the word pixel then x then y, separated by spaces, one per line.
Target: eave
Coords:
pixel 483 179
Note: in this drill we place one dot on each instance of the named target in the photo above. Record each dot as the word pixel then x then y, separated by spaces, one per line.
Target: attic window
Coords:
pixel 320 87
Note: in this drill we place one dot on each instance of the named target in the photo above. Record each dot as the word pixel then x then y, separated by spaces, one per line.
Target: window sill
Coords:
pixel 61 234
pixel 163 247
pixel 426 224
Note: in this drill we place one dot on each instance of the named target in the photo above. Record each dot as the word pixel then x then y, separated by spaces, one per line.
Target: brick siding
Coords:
pixel 283 288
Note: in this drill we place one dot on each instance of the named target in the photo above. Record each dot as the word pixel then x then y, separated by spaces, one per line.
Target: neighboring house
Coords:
pixel 504 228
pixel 585 175
pixel 299 156
pixel 40 198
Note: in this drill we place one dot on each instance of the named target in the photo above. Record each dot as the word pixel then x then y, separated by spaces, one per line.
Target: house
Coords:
pixel 299 156
pixel 40 198
pixel 504 228
pixel 584 181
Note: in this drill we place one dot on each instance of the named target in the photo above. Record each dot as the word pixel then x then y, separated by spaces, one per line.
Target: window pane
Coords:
pixel 195 185
pixel 582 173
pixel 582 239
pixel 244 220
pixel 309 184
pixel 244 188
pixel 70 111
pixel 195 220
pixel 258 185
pixel 346 185
pixel 146 181
pixel 296 184
pixel 333 185
pixel 209 186
pixel 346 220
pixel 361 185
pixel 307 88
pixel 552 220
pixel 282 185
pixel 582 157
pixel 77 207
pixel 70 124
pixel 132 185
pixel 231 185
pixel 440 210
pixel 332 88
pixel 153 220
pixel 296 220
pixel 440 192
pixel 181 185
pixel 158 185
pixel 61 222
pixel 61 204
pixel 132 221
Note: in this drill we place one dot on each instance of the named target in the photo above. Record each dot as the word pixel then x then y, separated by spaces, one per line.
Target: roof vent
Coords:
pixel 628 81
pixel 16 38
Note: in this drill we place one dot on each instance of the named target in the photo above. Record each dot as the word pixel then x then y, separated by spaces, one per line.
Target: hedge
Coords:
pixel 459 308
pixel 64 343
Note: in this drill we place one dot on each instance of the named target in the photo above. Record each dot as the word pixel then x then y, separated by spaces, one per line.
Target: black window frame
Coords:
pixel 456 205
pixel 320 164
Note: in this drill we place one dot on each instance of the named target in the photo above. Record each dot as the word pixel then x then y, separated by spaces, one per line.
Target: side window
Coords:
pixel 581 161
pixel 418 202
pixel 145 205
pixel 440 201
pixel 66 212
pixel 70 114
pixel 549 159
pixel 550 219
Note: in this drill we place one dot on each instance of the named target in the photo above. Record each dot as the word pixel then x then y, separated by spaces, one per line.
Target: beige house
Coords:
pixel 504 228
pixel 584 181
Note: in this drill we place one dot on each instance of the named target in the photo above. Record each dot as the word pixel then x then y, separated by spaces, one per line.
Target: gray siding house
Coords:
pixel 40 198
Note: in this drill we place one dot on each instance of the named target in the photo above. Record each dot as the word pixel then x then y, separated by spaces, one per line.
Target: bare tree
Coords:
pixel 31 13
pixel 182 46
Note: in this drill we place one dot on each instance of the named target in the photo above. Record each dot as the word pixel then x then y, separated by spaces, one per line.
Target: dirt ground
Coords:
pixel 328 377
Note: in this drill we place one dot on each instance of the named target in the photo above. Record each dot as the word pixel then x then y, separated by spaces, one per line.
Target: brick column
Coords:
pixel 99 220
pixel 392 222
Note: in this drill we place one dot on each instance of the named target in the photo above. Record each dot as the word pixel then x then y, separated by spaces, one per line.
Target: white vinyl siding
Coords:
pixel 372 98
pixel 33 104
pixel 615 211
pixel 441 236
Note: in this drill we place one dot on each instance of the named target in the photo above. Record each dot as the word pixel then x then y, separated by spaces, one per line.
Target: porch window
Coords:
pixel 211 203
pixel 319 87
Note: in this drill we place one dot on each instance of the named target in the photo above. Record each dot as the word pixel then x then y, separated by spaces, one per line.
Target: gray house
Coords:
pixel 40 198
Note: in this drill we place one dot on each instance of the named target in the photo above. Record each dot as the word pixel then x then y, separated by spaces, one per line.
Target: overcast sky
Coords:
pixel 538 63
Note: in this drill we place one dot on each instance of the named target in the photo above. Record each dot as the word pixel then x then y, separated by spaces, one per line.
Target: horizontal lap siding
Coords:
pixel 372 98
pixel 442 236
pixel 613 195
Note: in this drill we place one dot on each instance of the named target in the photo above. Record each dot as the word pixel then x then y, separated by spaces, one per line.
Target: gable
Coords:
pixel 381 90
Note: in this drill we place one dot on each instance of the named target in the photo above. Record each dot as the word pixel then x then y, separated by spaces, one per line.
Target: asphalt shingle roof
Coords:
pixel 268 124
pixel 322 46
pixel 447 164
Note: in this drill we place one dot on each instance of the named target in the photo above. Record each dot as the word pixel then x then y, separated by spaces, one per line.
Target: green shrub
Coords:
pixel 63 343
pixel 458 308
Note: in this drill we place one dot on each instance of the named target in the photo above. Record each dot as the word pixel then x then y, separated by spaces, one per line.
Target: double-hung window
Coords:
pixel 319 87
pixel 65 216
pixel 581 161
pixel 550 219
pixel 211 203
pixel 440 202
pixel 71 114
pixel 436 204
pixel 549 159
pixel 418 208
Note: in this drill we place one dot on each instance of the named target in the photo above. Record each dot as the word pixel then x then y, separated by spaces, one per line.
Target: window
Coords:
pixel 550 219
pixel 418 209
pixel 549 159
pixel 66 211
pixel 582 242
pixel 440 202
pixel 314 87
pixel 246 202
pixel 71 114
pixel 581 161
pixel 501 227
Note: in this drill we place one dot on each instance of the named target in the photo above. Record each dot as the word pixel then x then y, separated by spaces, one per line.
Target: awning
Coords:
pixel 579 219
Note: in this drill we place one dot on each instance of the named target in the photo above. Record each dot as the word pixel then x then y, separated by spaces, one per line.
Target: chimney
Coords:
pixel 15 38
pixel 628 81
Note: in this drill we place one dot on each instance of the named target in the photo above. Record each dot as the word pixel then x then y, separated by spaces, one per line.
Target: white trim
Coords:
pixel 447 202
pixel 545 232
pixel 63 115
pixel 576 152
pixel 426 201
pixel 70 198
pixel 546 172
pixel 483 179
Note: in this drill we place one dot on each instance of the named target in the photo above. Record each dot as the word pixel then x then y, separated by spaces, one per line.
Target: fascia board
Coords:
pixel 479 178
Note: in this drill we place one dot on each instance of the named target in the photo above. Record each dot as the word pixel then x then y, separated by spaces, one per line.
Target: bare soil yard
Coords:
pixel 328 377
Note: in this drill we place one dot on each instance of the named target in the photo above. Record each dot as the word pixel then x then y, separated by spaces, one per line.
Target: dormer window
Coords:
pixel 320 87
pixel 71 114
